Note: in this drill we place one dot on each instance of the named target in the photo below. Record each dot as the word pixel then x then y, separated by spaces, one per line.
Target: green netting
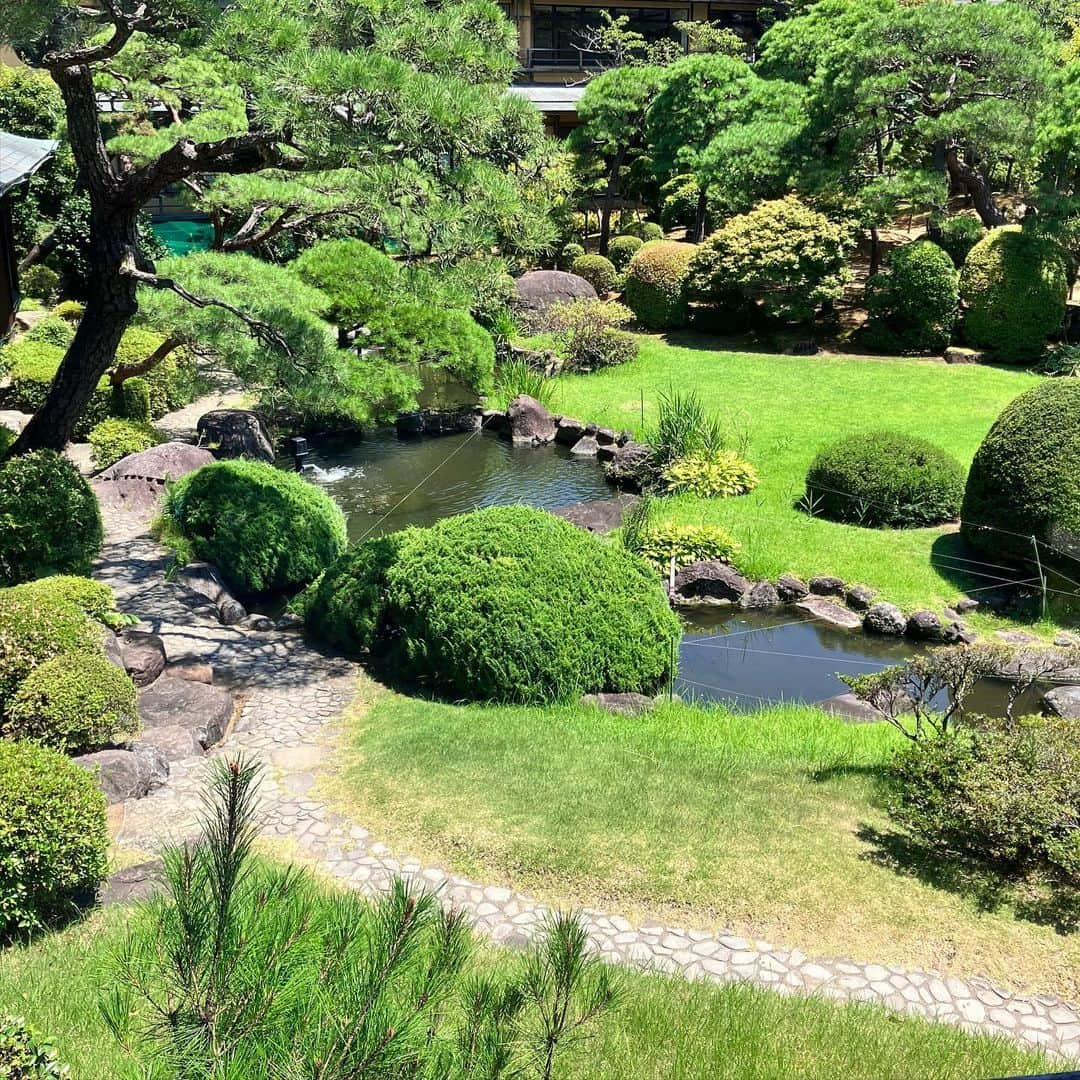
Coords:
pixel 182 237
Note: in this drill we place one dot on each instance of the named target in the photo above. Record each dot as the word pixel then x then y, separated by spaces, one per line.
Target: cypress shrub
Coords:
pixel 655 284
pixel 913 307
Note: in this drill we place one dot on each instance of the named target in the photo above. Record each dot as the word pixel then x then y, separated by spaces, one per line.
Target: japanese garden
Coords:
pixel 539 540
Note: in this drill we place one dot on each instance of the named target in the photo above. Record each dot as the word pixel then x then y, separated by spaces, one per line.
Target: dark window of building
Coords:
pixel 559 31
pixel 745 23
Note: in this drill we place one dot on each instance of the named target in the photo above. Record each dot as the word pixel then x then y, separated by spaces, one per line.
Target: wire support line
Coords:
pixel 726 690
pixel 764 629
pixel 791 655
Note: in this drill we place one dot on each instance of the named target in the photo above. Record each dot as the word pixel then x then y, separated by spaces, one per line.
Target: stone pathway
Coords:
pixel 291 696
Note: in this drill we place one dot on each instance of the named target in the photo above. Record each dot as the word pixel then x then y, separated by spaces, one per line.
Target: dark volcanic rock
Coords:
pixel 235 433
pixel 826 586
pixel 528 422
pixel 493 420
pixel 628 465
pixel 924 626
pixel 885 619
pixel 956 633
pixel 790 588
pixel 568 431
pixel 711 580
pixel 204 710
pixel 761 595
pixel 849 707
pixel 173 743
pixel 597 515
pixel 859 597
pixel 1063 701
pixel 586 446
pixel 133 883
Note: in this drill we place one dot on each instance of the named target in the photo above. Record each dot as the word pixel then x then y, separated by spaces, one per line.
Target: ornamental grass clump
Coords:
pixel 266 530
pixel 660 542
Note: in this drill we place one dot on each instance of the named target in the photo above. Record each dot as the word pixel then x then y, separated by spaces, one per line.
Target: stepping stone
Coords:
pixel 126 774
pixel 1063 701
pixel 174 743
pixel 826 611
pixel 132 884
pixel 203 710
pixel 620 704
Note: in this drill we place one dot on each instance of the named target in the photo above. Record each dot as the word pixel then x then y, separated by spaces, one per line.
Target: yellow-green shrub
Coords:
pixel 654 287
pixel 115 438
pixel 659 543
pixel 710 475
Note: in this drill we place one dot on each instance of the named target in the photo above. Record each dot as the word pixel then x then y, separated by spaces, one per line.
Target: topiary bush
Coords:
pixel 24 1057
pixel 173 382
pixel 73 703
pixel 49 518
pixel 710 475
pixel 1014 285
pixel 957 235
pixel 36 626
pixel 89 596
pixel 115 438
pixel 510 604
pixel 569 253
pixel 131 400
pixel 642 230
pixel 1025 478
pixel 53 835
pixel 782 258
pixel 654 287
pixel 589 334
pixel 266 530
pixel 913 307
pixel 885 479
pixel 622 249
pixel 69 310
pixel 598 271
pixel 660 542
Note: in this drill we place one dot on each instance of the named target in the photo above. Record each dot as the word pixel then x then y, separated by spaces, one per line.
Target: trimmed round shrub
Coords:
pixel 622 249
pixel 513 604
pixel 1026 476
pixel 266 530
pixel 115 438
pixel 52 330
pixel 782 258
pixel 172 382
pixel 885 479
pixel 654 288
pixel 598 271
pixel 958 235
pixel 49 518
pixel 71 311
pixel 35 627
pixel 643 230
pixel 589 334
pixel 89 596
pixel 40 282
pixel 131 400
pixel 569 253
pixel 1014 284
pixel 913 307
pixel 53 835
pixel 73 703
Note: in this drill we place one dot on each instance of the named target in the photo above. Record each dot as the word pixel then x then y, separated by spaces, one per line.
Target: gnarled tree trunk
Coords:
pixel 970 180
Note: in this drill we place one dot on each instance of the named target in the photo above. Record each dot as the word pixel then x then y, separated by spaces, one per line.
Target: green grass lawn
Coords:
pixel 664 1028
pixel 790 407
pixel 767 822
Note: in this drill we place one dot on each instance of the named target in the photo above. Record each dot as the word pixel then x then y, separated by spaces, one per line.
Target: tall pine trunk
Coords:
pixel 700 216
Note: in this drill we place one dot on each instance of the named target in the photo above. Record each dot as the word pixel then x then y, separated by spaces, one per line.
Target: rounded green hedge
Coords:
pixel 35 627
pixel 115 438
pixel 53 835
pixel 505 604
pixel 622 249
pixel 266 530
pixel 49 518
pixel 913 307
pixel 33 366
pixel 885 479
pixel 957 235
pixel 655 285
pixel 73 703
pixel 598 271
pixel 1025 478
pixel 1014 284
pixel 89 596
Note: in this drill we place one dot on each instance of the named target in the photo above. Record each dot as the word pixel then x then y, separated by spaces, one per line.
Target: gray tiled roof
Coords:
pixel 21 157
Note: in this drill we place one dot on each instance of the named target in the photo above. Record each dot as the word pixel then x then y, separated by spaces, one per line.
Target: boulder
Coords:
pixel 14 420
pixel 1063 701
pixel 235 433
pixel 1065 640
pixel 493 420
pixel 132 884
pixel 965 605
pixel 859 597
pixel 586 446
pixel 954 354
pixel 606 453
pixel 923 626
pixel 712 580
pixel 885 619
pixel 956 633
pixel 528 422
pixel 291 620
pixel 620 704
pixel 1017 638
pixel 169 461
pixel 597 515
pixel 761 595
pixel 790 588
pixel 126 774
pixel 628 465
pixel 568 431
pixel 261 623
pixel 826 586
pixel 173 743
pixel 143 654
pixel 410 425
pixel 204 579
pixel 204 710
pixel 826 611
pixel 540 290
pixel 110 645
pixel 606 436
pixel 851 708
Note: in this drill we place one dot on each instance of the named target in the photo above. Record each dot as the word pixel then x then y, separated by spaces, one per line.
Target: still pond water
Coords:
pixel 744 658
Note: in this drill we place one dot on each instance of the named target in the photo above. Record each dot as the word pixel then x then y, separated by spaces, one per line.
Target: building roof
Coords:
pixel 21 157
pixel 551 99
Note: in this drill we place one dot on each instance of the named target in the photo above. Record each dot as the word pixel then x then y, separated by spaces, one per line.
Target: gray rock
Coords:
pixel 528 422
pixel 965 605
pixel 173 743
pixel 409 425
pixel 885 619
pixel 628 466
pixel 1016 637
pixel 586 446
pixel 204 579
pixel 291 620
pixel 568 431
pixel 203 710
pixel 1063 701
pixel 761 595
pixel 849 707
pixel 597 515
pixel 606 436
pixel 620 704
pixel 956 633
pixel 826 586
pixel 1065 640
pixel 190 668
pixel 923 626
pixel 235 433
pixel 790 588
pixel 169 461
pixel 143 654
pixel 711 580
pixel 957 355
pixel 623 438
pixel 450 421
pixel 125 774
pixel 493 420
pixel 829 612
pixel 859 597
pixel 113 653
pixel 261 623
pixel 540 290
pixel 606 453
pixel 14 420
pixel 133 884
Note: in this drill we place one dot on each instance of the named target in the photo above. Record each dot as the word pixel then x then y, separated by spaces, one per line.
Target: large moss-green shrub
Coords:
pixel 92 597
pixel 598 271
pixel 52 330
pixel 913 307
pixel 623 248
pixel 131 400
pixel 49 518
pixel 115 438
pixel 172 382
pixel 958 235
pixel 73 703
pixel 31 368
pixel 53 835
pixel 654 287
pixel 36 626
pixel 266 530
pixel 1014 284
pixel 886 479
pixel 1025 478
pixel 782 258
pixel 39 282
pixel 511 604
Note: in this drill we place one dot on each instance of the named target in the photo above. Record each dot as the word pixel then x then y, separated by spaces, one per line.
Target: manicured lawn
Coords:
pixel 790 407
pixel 663 1029
pixel 767 822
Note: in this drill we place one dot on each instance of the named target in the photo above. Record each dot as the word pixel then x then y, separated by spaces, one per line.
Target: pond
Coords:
pixel 746 659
